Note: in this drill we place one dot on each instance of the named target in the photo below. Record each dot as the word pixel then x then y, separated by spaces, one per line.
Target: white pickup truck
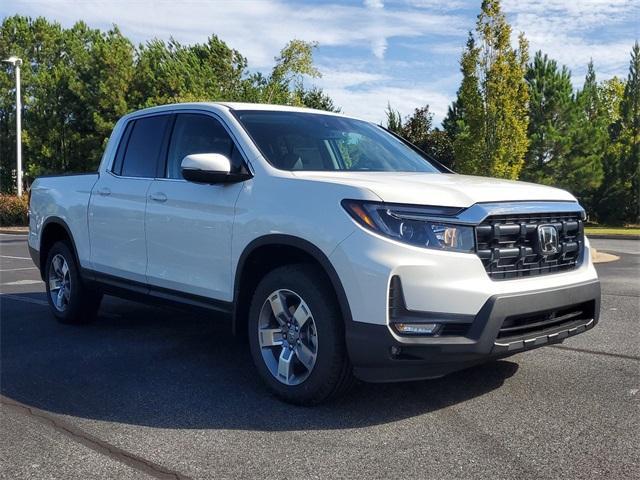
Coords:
pixel 338 248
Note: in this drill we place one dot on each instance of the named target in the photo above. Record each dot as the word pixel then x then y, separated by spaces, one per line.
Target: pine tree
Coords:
pixel 418 129
pixel 629 139
pixel 78 81
pixel 454 114
pixel 394 120
pixel 491 129
pixel 550 101
pixel 316 98
pixel 469 142
pixel 581 171
pixel 610 198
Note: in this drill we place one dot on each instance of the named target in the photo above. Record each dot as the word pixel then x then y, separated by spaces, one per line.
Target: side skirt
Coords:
pixel 144 293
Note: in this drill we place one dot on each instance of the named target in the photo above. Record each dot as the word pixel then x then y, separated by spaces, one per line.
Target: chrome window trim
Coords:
pixel 124 177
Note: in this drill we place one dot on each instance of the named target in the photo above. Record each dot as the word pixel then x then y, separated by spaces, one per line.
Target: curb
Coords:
pixel 613 237
pixel 14 230
pixel 602 257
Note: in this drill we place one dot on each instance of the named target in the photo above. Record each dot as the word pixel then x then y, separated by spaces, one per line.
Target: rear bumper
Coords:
pixel 370 346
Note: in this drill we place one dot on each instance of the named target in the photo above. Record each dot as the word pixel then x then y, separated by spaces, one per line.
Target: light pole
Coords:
pixel 16 62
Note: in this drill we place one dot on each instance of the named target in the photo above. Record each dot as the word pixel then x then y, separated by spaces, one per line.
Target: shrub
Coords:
pixel 13 210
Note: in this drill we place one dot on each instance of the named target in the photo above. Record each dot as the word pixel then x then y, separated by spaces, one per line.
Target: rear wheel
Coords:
pixel 296 335
pixel 71 301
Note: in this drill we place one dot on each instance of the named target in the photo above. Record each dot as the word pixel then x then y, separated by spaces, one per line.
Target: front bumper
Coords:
pixel 370 346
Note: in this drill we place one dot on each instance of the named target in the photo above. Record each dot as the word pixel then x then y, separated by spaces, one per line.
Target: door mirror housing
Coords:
pixel 209 168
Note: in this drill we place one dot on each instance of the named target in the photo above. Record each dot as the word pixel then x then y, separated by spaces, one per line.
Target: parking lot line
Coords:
pixel 16 269
pixel 15 258
pixel 22 282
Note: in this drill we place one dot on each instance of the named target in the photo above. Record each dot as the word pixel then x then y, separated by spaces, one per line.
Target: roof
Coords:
pixel 232 106
pixel 271 107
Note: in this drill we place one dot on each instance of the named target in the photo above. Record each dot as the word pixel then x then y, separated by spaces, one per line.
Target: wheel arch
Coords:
pixel 53 230
pixel 297 250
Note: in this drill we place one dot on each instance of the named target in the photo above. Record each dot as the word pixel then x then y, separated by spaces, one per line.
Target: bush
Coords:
pixel 13 210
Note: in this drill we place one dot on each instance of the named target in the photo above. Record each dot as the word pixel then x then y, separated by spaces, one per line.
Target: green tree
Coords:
pixel 74 88
pixel 492 118
pixel 168 72
pixel 418 129
pixel 440 147
pixel 78 81
pixel 581 170
pixel 550 103
pixel 466 117
pixel 394 120
pixel 294 62
pixel 316 98
pixel 609 200
pixel 15 38
pixel 454 115
pixel 630 136
pixel 113 68
pixel 620 201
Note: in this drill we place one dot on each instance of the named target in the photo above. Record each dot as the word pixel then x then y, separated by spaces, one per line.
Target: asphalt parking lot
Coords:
pixel 157 393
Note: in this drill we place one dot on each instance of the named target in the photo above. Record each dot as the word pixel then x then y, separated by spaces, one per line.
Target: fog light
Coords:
pixel 417 328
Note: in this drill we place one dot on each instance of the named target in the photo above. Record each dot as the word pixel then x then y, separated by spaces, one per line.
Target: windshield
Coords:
pixel 312 141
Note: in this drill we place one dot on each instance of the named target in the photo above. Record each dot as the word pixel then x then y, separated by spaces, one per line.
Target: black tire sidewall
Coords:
pixel 309 283
pixel 74 313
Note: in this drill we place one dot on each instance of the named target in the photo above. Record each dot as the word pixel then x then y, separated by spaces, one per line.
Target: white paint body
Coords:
pixel 191 239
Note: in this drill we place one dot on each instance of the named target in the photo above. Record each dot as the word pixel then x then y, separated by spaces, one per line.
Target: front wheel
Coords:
pixel 71 301
pixel 296 336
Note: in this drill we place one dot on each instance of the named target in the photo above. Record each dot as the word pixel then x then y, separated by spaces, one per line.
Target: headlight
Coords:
pixel 425 227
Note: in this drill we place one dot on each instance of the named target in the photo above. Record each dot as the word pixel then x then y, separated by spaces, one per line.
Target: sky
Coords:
pixel 372 52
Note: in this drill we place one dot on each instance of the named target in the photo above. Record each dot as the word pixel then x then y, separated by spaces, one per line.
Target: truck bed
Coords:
pixel 65 198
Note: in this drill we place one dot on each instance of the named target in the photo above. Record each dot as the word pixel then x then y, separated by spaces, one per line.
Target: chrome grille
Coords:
pixel 508 244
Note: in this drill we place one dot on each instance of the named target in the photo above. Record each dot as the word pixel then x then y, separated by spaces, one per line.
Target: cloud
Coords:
pixel 379 47
pixel 371 51
pixel 574 32
pixel 259 29
pixel 575 15
pixel 348 77
pixel 370 102
pixel 440 5
pixel 379 4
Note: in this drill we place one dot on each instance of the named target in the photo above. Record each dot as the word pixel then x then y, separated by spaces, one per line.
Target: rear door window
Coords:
pixel 143 149
pixel 122 148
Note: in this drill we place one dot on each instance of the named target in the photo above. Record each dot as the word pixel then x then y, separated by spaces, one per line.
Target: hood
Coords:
pixel 450 190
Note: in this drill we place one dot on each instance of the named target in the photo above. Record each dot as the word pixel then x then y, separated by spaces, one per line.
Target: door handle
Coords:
pixel 104 192
pixel 158 197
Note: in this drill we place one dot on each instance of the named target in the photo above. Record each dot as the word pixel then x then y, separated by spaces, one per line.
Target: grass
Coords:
pixel 612 230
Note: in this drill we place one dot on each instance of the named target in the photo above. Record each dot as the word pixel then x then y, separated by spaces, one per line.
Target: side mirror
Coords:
pixel 208 168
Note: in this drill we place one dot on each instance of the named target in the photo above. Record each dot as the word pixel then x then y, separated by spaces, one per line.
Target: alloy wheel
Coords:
pixel 288 337
pixel 59 283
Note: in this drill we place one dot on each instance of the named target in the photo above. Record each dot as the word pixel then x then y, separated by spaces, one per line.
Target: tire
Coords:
pixel 70 300
pixel 309 303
